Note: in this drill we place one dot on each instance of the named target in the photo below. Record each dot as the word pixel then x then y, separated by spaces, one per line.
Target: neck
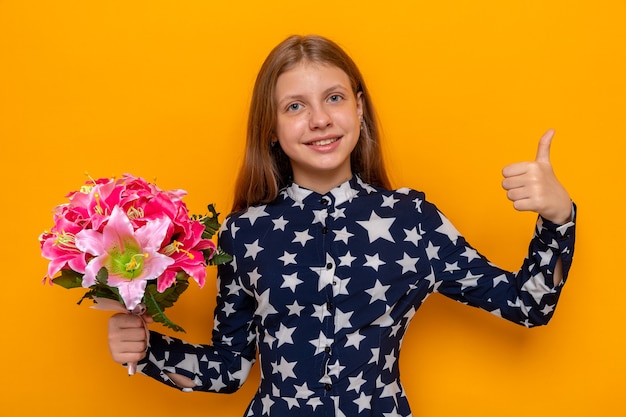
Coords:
pixel 322 185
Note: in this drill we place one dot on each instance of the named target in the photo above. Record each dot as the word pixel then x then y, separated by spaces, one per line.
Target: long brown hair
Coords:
pixel 266 168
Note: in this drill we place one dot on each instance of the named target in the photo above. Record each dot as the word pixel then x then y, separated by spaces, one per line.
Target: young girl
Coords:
pixel 329 265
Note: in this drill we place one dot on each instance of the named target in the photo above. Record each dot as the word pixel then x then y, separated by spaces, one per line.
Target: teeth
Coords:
pixel 323 142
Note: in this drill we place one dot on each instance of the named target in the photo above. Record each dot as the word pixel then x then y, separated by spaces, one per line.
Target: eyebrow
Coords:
pixel 325 92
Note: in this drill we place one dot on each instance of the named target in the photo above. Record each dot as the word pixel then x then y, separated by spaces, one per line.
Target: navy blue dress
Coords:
pixel 324 288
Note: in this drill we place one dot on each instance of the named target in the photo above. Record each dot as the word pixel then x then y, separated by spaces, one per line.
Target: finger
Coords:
pixel 132 354
pixel 516 169
pixel 543 149
pixel 510 183
pixel 124 337
pixel 125 321
pixel 523 204
pixel 518 194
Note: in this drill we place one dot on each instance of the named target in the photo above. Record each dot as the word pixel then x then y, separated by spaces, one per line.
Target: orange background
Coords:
pixel 160 89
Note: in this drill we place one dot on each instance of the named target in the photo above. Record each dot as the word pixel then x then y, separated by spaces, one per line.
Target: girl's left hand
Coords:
pixel 532 186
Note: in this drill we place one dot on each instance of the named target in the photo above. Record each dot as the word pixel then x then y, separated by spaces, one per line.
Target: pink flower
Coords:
pixel 130 256
pixel 144 202
pixel 188 256
pixel 93 201
pixel 59 244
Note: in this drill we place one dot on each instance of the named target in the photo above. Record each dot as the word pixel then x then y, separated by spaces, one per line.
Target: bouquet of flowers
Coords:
pixel 129 241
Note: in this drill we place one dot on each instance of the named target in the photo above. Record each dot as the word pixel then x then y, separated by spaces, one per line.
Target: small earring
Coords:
pixel 273 143
pixel 363 125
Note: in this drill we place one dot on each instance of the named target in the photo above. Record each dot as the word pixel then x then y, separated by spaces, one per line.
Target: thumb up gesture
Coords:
pixel 532 186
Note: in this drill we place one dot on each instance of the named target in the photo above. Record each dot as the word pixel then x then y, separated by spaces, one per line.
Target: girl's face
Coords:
pixel 318 124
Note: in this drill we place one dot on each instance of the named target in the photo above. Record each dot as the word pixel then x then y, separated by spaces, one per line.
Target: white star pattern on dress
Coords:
pixel 377 292
pixel 288 258
pixel 291 402
pixel 253 249
pixel 500 279
pixel 470 254
pixel 303 391
pixel 342 235
pixel 342 320
pixel 373 261
pixel 390 360
pixel 233 229
pixel 355 339
pixel 363 402
pixel 412 236
pixel 233 288
pixel 537 288
pixel 375 355
pixel 284 368
pixel 335 369
pixel 295 309
pixel 418 204
pixel 346 260
pixel 280 223
pixel 452 267
pixel 356 382
pixel 432 251
pixel 254 276
pixel 469 280
pixel 253 213
pixel 321 312
pixel 314 402
pixel 389 201
pixel 321 343
pixel 377 228
pixel 319 216
pixel 267 405
pixel 264 307
pixel 291 281
pixel 217 383
pixel 283 335
pixel 338 213
pixel 229 309
pixel 302 237
pixel 340 286
pixel 448 229
pixel 546 257
pixel 407 263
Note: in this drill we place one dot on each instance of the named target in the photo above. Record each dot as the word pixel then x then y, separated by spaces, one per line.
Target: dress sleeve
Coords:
pixel 224 365
pixel 527 297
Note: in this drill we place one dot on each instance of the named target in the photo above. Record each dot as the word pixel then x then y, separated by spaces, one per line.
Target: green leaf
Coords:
pixel 210 222
pixel 156 302
pixel 220 257
pixel 102 291
pixel 103 276
pixel 69 279
pixel 211 225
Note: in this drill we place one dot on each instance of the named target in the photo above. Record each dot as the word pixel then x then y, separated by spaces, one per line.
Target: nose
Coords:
pixel 319 118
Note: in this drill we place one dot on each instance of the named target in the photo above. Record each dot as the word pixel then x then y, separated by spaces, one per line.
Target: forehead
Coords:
pixel 310 77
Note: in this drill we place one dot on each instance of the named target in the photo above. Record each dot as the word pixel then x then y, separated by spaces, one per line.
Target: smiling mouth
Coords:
pixel 323 142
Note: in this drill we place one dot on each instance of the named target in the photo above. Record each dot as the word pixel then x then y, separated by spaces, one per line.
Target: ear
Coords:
pixel 359 104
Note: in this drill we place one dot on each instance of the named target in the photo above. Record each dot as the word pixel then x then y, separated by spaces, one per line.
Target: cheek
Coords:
pixel 350 120
pixel 288 128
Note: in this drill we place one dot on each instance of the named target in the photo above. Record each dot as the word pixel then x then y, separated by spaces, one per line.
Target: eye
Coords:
pixel 294 107
pixel 335 98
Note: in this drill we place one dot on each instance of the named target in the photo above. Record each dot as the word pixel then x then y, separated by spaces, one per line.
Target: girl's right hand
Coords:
pixel 127 337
